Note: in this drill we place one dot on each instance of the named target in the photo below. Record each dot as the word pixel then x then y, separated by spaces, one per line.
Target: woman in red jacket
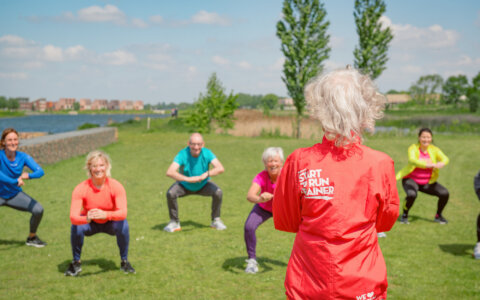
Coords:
pixel 337 195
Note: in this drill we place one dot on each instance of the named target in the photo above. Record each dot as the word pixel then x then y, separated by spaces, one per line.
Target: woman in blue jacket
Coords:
pixel 12 178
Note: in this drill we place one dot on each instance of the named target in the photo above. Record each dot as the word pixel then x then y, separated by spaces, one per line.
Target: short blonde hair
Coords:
pixel 272 152
pixel 93 156
pixel 346 103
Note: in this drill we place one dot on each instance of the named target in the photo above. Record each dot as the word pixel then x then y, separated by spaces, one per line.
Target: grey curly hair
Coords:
pixel 346 103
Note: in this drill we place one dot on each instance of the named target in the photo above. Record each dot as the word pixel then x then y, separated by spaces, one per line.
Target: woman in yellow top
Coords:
pixel 421 174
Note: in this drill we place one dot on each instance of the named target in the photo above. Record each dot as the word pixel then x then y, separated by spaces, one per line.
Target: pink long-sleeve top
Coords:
pixel 111 198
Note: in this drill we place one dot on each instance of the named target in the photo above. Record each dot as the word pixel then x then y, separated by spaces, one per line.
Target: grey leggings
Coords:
pixel 177 190
pixel 24 202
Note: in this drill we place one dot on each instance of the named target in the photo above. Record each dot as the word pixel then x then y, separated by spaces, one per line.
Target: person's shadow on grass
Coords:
pixel 415 218
pixel 105 266
pixel 13 243
pixel 186 226
pixel 457 249
pixel 237 264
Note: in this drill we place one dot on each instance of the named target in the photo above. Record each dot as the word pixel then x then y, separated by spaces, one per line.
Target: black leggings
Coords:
pixel 436 189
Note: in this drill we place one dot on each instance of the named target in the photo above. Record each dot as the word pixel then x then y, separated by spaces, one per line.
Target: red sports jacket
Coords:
pixel 336 200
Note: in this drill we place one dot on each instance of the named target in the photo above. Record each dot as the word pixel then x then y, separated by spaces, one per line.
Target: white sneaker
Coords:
pixel 218 224
pixel 381 235
pixel 172 226
pixel 476 251
pixel 252 266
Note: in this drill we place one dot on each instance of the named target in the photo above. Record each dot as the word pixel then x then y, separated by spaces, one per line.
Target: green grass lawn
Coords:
pixel 424 260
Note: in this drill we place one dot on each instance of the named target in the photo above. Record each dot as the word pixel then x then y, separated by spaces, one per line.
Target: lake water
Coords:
pixel 64 123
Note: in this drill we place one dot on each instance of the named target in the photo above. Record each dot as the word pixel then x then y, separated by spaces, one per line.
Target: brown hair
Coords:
pixel 6 132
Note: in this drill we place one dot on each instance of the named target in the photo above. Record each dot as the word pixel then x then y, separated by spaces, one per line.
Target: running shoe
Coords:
pixel 381 235
pixel 440 219
pixel 74 268
pixel 35 242
pixel 218 224
pixel 476 251
pixel 404 219
pixel 126 267
pixel 172 226
pixel 252 266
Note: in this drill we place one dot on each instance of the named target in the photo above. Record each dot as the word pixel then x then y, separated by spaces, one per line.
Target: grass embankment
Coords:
pixel 424 260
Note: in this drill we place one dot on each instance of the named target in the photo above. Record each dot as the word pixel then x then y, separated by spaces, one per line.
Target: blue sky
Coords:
pixel 165 51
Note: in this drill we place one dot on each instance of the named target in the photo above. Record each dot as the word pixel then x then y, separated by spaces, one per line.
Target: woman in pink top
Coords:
pixel 261 193
pixel 421 174
pixel 99 204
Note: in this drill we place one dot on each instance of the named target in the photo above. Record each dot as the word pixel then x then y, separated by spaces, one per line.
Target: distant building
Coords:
pixel 138 105
pixel 126 105
pixel 394 99
pixel 99 104
pixel 65 104
pixel 50 105
pixel 24 104
pixel 85 104
pixel 114 105
pixel 39 104
pixel 285 101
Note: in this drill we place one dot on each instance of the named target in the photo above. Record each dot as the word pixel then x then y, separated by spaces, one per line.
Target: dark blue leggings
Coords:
pixel 118 228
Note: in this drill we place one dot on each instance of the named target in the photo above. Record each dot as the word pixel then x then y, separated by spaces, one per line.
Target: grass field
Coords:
pixel 424 260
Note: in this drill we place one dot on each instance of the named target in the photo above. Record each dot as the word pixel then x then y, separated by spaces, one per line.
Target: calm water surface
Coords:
pixel 64 123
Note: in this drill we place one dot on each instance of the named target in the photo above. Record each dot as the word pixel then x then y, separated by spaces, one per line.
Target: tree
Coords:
pixel 3 102
pixel 304 38
pixel 454 88
pixel 269 102
pixel 248 101
pixel 371 53
pixel 426 87
pixel 13 103
pixel 473 93
pixel 214 106
pixel 76 106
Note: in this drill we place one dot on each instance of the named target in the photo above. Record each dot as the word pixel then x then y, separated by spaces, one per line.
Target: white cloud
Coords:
pixel 278 64
pixel 75 52
pixel 192 70
pixel 14 40
pixel 16 76
pixel 205 17
pixel 109 13
pixel 412 69
pixel 139 23
pixel 218 60
pixel 244 65
pixel 407 36
pixel 156 19
pixel 119 58
pixel 52 53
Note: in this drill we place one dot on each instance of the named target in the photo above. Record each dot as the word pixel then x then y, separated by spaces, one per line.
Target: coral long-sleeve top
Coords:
pixel 336 200
pixel 111 198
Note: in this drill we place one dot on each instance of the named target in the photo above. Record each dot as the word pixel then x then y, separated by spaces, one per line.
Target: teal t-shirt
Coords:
pixel 194 166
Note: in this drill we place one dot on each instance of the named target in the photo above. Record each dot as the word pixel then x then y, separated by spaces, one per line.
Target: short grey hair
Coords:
pixel 272 152
pixel 93 156
pixel 346 102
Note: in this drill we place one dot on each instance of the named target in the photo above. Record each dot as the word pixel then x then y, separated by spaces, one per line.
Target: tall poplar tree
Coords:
pixel 304 38
pixel 371 52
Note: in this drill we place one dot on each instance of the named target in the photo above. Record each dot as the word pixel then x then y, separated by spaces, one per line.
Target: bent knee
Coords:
pixel 411 194
pixel 218 193
pixel 37 209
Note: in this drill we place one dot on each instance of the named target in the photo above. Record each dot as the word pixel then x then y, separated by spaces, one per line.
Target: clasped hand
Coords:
pixel 96 213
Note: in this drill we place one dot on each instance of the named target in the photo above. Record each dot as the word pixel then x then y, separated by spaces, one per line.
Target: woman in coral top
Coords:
pixel 421 174
pixel 99 204
pixel 336 196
